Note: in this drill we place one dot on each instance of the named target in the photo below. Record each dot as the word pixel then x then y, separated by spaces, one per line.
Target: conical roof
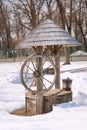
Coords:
pixel 48 33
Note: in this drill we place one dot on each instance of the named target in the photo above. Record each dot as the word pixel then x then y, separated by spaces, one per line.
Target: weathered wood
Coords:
pixel 39 96
pixel 48 103
pixel 64 96
pixel 38 104
pixel 56 98
pixel 39 66
pixel 30 101
pixel 37 79
pixel 34 76
pixel 52 92
pixel 57 64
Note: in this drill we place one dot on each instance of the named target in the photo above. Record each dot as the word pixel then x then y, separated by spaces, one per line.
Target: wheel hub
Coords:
pixel 36 74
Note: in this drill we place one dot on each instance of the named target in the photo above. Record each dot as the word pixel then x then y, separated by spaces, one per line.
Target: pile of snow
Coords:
pixel 78 53
pixel 65 116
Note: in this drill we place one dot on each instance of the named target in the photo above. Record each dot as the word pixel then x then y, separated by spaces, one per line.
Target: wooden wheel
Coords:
pixel 30 74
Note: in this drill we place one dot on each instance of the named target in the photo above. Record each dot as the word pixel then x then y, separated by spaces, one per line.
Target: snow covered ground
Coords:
pixel 65 116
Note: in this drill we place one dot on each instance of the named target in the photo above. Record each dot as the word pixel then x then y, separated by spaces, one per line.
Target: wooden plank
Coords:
pixel 56 97
pixel 38 104
pixel 52 92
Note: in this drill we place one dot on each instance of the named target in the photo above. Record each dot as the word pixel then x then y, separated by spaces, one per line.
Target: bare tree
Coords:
pixel 50 4
pixel 29 12
pixel 5 31
pixel 80 20
pixel 63 23
pixel 26 15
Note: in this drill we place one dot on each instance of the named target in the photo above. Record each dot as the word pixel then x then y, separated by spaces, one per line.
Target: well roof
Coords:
pixel 48 33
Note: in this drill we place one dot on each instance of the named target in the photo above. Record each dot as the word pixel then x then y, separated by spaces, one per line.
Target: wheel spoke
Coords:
pixel 42 82
pixel 24 73
pixel 29 68
pixel 27 78
pixel 49 66
pixel 47 80
pixel 33 65
pixel 44 61
pixel 32 83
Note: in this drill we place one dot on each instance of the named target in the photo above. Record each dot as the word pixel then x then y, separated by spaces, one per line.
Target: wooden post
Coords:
pixel 39 64
pixel 57 63
pixel 39 101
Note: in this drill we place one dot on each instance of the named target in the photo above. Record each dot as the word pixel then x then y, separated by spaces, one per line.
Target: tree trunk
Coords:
pixel 67 59
pixel 63 22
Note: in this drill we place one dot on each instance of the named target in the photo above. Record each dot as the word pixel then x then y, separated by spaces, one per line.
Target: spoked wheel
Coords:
pixel 33 74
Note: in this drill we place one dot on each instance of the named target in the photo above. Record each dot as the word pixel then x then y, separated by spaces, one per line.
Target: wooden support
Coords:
pixel 39 103
pixel 57 64
pixel 34 103
pixel 39 64
pixel 39 100
pixel 30 104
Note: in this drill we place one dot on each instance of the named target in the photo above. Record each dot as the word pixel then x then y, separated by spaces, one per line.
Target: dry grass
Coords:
pixel 21 112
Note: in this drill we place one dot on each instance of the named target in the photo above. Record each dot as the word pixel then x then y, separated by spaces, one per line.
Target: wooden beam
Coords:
pixel 39 64
pixel 57 64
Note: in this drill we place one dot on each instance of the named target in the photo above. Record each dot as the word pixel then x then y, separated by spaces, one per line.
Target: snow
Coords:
pixel 65 116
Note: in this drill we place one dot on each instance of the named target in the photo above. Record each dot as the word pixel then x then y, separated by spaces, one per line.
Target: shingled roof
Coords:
pixel 48 33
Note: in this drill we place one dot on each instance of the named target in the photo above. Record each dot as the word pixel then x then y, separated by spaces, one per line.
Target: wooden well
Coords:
pixel 51 36
pixel 54 96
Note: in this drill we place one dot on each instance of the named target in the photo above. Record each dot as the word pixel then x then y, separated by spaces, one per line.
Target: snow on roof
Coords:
pixel 78 53
pixel 48 33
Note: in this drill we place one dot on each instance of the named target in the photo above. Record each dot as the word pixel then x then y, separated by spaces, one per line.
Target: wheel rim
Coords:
pixel 29 74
